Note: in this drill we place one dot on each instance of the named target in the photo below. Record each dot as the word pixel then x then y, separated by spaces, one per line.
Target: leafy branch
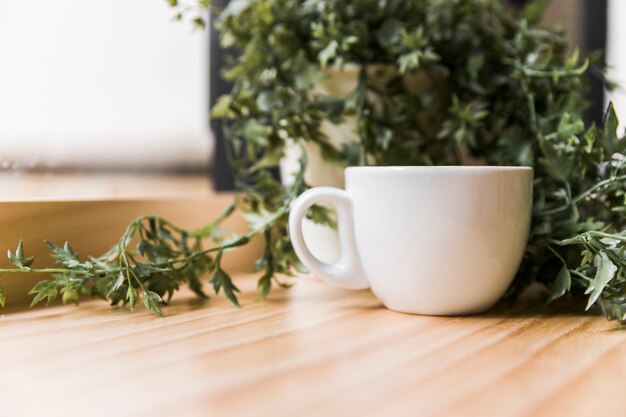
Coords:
pixel 151 260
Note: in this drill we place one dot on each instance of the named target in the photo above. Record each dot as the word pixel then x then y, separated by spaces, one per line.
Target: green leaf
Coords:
pixel 256 132
pixel 18 258
pixel 618 311
pixel 196 286
pixel 3 297
pixel 609 139
pixel 235 8
pixel 199 23
pixel 271 158
pixel 328 53
pixel 264 285
pixel 115 285
pixel 390 33
pixel 305 78
pixel 558 164
pixel 258 220
pixel 331 106
pixel 409 61
pixel 131 297
pixel 67 258
pixel 151 301
pixel 266 101
pixel 44 289
pixel 221 280
pixel 19 252
pixel 569 127
pixel 222 107
pixel 321 215
pixel 561 285
pixel 605 273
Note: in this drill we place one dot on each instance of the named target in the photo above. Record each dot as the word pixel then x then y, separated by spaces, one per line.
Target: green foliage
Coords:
pixel 221 280
pixel 436 84
pixel 561 285
pixel 601 272
pixel 43 290
pixel 153 258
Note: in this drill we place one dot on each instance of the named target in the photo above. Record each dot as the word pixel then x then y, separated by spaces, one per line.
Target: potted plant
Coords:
pixel 436 84
pixel 492 87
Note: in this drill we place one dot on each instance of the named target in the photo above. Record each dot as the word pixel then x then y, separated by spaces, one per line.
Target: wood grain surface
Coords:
pixel 311 350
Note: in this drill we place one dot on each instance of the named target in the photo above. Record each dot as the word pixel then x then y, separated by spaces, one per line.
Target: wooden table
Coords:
pixel 312 350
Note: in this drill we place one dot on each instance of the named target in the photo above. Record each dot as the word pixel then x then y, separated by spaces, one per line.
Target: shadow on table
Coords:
pixel 532 303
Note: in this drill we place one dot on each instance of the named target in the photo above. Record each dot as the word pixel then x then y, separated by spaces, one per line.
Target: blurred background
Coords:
pixel 101 97
pixel 112 98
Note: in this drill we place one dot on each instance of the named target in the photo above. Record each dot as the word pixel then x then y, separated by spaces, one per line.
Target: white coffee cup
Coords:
pixel 427 240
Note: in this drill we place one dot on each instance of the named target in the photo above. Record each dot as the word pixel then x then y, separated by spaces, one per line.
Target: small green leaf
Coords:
pixel 556 162
pixel 390 33
pixel 196 286
pixel 328 53
pixel 256 132
pixel 534 10
pixel 259 219
pixel 131 297
pixel 18 258
pixel 19 252
pixel 199 23
pixel 264 285
pixel 67 258
pixel 115 285
pixel 321 215
pixel 222 107
pixel 44 289
pixel 3 297
pixel 221 280
pixel 266 101
pixel 151 301
pixel 561 285
pixel 409 61
pixel 609 139
pixel 605 273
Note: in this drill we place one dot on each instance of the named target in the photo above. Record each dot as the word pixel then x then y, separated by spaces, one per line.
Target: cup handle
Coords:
pixel 348 271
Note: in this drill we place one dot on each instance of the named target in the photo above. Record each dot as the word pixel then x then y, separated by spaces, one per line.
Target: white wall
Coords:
pixel 103 83
pixel 616 56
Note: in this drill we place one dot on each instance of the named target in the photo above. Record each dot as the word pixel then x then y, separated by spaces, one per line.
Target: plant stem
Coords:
pixel 46 271
pixel 582 196
pixel 597 186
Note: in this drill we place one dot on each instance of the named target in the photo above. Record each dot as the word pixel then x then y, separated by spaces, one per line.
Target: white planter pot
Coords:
pixel 322 241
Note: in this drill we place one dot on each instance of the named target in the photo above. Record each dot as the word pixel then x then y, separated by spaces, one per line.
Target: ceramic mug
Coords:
pixel 442 240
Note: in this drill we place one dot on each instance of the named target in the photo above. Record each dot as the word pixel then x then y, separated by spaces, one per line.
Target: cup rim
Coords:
pixel 441 168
